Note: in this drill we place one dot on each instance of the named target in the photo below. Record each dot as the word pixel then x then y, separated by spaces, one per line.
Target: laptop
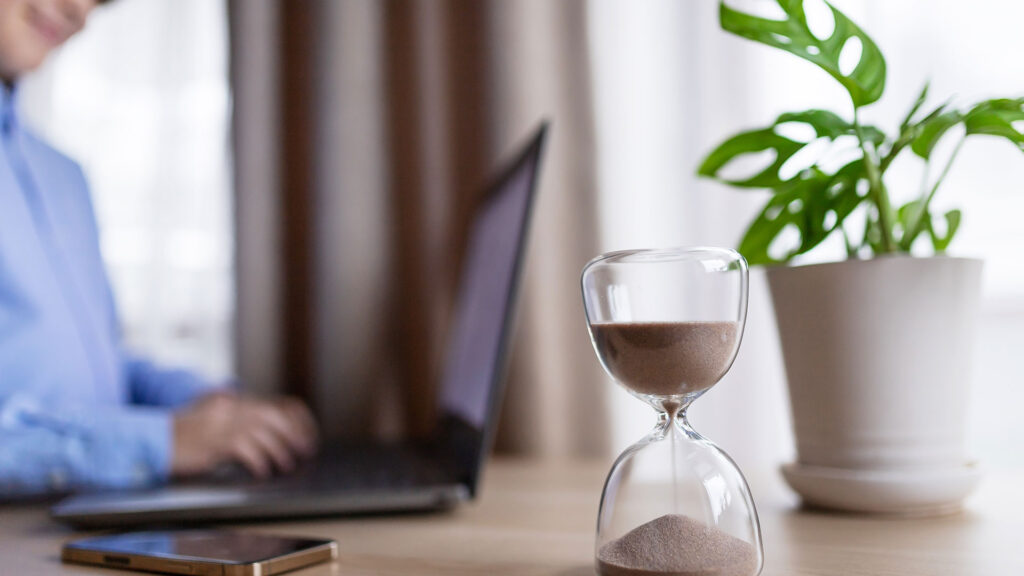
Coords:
pixel 361 479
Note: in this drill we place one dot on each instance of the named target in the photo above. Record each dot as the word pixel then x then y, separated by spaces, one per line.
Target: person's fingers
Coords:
pixel 190 455
pixel 291 432
pixel 246 451
pixel 297 411
pixel 220 403
pixel 275 447
pixel 203 433
pixel 218 414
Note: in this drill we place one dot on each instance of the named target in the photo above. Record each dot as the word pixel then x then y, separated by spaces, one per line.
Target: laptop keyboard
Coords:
pixel 346 468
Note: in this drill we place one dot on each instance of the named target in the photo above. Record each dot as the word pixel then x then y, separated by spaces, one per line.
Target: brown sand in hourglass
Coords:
pixel 666 358
pixel 676 545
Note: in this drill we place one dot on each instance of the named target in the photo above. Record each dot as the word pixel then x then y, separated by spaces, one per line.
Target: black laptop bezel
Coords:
pixel 457 437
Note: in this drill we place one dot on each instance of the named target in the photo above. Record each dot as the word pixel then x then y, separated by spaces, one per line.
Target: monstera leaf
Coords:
pixel 908 119
pixel 830 125
pixel 814 203
pixel 930 131
pixel 997 118
pixel 825 124
pixel 952 225
pixel 865 82
pixel 992 117
pixel 784 210
pixel 910 212
pixel 751 142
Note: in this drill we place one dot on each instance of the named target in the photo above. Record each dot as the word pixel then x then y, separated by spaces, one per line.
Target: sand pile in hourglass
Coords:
pixel 676 545
pixel 671 359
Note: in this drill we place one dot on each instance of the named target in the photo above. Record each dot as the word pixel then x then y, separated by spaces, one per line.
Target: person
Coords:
pixel 77 411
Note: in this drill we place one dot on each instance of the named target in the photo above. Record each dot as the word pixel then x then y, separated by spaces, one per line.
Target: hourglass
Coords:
pixel 666 325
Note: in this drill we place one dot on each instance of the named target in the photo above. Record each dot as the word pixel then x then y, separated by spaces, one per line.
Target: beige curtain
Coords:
pixel 555 405
pixel 411 104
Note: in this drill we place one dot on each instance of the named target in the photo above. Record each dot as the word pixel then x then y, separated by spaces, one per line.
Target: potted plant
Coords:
pixel 876 347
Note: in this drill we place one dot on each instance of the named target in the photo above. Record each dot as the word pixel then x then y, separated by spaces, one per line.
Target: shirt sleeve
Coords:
pixel 60 448
pixel 153 385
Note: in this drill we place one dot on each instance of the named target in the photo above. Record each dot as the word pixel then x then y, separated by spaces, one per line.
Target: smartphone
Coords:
pixel 219 552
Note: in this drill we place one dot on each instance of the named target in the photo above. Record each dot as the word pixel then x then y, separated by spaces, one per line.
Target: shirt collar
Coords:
pixel 8 108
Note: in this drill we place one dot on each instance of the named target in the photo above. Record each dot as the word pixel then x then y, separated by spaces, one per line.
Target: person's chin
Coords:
pixel 29 59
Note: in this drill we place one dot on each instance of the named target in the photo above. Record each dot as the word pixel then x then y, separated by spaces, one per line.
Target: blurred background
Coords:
pixel 282 187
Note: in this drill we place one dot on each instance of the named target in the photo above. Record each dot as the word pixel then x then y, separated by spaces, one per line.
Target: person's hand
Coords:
pixel 262 435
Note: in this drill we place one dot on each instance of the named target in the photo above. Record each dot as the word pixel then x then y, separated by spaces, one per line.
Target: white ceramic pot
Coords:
pixel 878 359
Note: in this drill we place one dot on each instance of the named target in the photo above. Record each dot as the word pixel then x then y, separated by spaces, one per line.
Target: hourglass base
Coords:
pixel 910 493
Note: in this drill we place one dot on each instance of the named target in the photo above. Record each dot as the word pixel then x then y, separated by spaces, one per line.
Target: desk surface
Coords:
pixel 537 518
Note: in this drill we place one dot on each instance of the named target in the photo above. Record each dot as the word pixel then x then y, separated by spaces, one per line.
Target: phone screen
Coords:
pixel 210 545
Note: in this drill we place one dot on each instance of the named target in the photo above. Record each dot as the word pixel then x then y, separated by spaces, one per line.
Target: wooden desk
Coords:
pixel 539 519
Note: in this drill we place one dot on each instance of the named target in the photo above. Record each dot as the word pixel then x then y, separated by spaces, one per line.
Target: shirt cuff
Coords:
pixel 95 446
pixel 153 431
pixel 153 385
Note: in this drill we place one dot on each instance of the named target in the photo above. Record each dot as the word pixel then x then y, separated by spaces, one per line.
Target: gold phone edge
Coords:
pixel 321 553
pixel 142 563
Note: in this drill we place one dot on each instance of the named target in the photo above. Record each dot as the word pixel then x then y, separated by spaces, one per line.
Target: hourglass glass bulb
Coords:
pixel 666 325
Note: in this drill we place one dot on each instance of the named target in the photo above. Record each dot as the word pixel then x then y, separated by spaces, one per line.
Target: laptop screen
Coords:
pixel 471 380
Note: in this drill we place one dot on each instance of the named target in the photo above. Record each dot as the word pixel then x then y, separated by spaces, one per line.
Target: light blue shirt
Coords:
pixel 76 411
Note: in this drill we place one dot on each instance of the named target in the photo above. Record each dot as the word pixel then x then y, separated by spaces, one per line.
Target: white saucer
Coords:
pixel 894 492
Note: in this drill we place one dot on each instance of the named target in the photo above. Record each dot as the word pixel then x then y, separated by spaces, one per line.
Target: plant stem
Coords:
pixel 881 197
pixel 924 177
pixel 897 147
pixel 851 251
pixel 922 211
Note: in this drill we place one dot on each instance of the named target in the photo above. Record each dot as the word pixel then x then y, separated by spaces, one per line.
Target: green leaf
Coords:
pixel 910 131
pixel 931 130
pixel 917 106
pixel 866 81
pixel 952 225
pixel 826 124
pixel 873 233
pixel 804 203
pixel 907 215
pixel 842 189
pixel 780 212
pixel 996 118
pixel 910 212
pixel 748 143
